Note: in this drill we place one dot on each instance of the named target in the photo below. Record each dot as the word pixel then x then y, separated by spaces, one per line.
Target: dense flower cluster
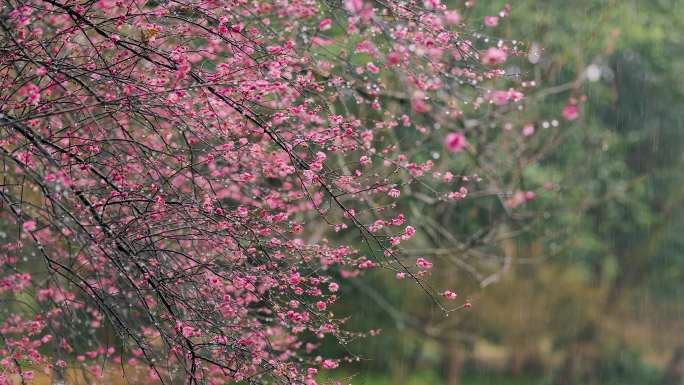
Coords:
pixel 164 161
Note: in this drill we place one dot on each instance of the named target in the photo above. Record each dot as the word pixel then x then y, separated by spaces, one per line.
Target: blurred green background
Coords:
pixel 591 290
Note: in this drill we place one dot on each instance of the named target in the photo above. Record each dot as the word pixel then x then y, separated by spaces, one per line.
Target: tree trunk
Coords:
pixel 58 376
pixel 566 374
pixel 453 363
pixel 675 369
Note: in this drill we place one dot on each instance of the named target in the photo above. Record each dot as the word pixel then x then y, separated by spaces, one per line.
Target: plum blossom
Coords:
pixel 329 364
pixel 494 56
pixel 528 129
pixel 423 263
pixel 491 21
pixel 501 98
pixel 372 68
pixel 418 103
pixel 570 112
pixel 354 6
pixel 409 232
pixel 452 17
pixel 455 142
pixel 325 24
pixel 29 225
pixel 247 159
pixel 519 198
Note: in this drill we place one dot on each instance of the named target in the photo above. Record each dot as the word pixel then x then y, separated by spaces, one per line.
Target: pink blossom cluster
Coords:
pixel 186 162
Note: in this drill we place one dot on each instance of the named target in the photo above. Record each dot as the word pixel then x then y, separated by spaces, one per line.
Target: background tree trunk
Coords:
pixel 453 362
pixel 674 372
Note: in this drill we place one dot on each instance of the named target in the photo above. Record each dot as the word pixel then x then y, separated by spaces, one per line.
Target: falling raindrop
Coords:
pixel 593 73
pixel 534 54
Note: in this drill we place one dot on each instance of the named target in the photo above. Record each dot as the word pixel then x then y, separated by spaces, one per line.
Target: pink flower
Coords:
pixel 188 331
pixel 372 68
pixel 29 225
pixel 325 24
pixel 333 287
pixel 354 6
pixel 570 112
pixel 321 41
pixel 515 95
pixel 456 142
pixel 394 193
pixel 418 103
pixel 528 129
pixel 452 17
pixel 519 198
pixel 409 232
pixel 329 364
pixel 31 92
pixel 393 58
pixel 398 220
pixel 450 295
pixel 295 279
pixel 494 56
pixel 491 21
pixel 320 305
pixel 500 98
pixel 242 212
pixel 423 263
